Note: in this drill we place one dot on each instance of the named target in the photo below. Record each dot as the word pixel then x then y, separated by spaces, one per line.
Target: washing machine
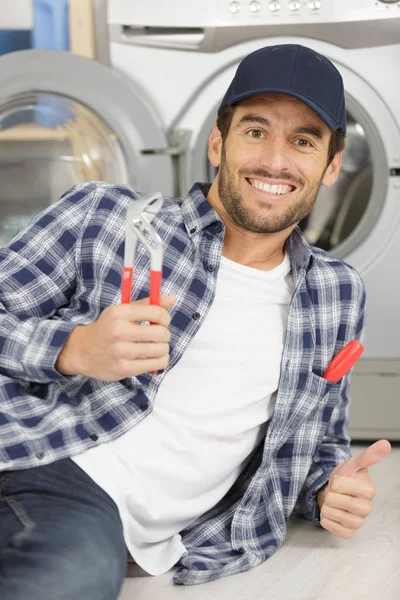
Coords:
pixel 67 117
pixel 185 56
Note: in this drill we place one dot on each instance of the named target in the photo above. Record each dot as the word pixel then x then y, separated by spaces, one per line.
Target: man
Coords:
pixel 202 463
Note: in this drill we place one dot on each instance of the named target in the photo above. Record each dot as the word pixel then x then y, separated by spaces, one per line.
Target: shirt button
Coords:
pixel 94 437
pixel 144 406
pixel 210 268
pixel 218 228
pixel 196 316
pixel 39 455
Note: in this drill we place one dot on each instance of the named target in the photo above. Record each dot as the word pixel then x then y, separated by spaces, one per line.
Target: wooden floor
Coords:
pixel 311 564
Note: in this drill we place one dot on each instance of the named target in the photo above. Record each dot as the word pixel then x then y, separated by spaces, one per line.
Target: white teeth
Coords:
pixel 279 190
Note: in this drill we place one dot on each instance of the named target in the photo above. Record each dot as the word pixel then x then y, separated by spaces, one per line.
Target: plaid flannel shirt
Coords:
pixel 66 267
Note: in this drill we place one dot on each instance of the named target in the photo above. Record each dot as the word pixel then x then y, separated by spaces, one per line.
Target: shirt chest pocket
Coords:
pixel 313 396
pixel 300 405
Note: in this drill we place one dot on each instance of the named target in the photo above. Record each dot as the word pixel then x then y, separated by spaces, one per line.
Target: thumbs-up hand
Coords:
pixel 346 501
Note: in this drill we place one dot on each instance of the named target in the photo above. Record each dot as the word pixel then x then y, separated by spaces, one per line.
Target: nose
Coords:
pixel 275 155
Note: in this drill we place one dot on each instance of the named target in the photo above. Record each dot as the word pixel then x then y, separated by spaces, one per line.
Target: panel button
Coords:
pixel 274 6
pixel 234 7
pixel 294 5
pixel 254 6
pixel 314 5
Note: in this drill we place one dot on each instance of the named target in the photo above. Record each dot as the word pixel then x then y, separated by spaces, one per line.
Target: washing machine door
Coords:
pixel 65 119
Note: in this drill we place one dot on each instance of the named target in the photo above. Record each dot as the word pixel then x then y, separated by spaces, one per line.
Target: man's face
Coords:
pixel 272 163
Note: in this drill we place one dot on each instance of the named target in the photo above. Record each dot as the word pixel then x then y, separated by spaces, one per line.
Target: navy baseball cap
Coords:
pixel 294 70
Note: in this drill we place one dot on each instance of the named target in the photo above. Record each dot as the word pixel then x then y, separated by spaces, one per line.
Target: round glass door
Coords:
pixel 338 209
pixel 48 143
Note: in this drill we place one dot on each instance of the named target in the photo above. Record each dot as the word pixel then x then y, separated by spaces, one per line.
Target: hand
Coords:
pixel 346 501
pixel 112 347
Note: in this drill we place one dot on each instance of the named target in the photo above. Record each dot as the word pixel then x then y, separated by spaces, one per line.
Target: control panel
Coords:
pixel 212 25
pixel 215 13
pixel 247 12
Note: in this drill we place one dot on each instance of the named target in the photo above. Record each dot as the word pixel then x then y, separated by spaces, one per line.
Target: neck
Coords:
pixel 266 261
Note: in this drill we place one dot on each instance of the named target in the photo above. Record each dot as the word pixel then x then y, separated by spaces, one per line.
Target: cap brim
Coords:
pixel 329 122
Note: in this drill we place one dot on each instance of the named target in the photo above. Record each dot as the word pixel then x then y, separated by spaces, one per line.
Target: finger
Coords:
pixel 152 313
pixel 353 487
pixel 142 351
pixel 342 517
pixel 131 332
pixel 132 368
pixel 337 529
pixel 165 301
pixel 356 506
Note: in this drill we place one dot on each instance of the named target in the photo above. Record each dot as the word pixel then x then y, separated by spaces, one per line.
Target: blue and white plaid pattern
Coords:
pixel 66 267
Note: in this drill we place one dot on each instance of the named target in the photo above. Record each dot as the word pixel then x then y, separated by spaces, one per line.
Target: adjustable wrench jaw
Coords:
pixel 138 227
pixel 138 218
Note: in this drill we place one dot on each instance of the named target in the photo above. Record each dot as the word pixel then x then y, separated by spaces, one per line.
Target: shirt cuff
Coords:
pixel 40 355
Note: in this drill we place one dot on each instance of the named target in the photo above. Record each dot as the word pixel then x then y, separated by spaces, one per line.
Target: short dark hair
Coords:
pixel 336 143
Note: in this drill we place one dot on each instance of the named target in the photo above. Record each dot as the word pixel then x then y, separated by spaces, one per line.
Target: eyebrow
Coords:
pixel 253 119
pixel 313 131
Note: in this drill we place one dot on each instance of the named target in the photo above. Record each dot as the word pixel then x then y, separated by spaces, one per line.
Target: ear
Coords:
pixel 332 171
pixel 215 146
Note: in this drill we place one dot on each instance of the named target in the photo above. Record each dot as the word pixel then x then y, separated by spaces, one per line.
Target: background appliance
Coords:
pixel 185 57
pixel 66 118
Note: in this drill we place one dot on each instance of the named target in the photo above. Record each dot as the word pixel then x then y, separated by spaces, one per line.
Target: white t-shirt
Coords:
pixel 209 414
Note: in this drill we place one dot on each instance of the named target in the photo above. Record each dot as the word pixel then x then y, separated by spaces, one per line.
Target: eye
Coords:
pixel 303 143
pixel 255 133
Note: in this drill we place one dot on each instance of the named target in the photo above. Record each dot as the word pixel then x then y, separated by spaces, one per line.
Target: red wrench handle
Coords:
pixel 155 288
pixel 127 276
pixel 344 361
pixel 155 291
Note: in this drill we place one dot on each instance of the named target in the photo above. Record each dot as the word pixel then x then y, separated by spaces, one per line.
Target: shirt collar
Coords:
pixel 198 214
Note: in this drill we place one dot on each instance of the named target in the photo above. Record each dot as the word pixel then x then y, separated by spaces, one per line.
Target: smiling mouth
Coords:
pixel 276 190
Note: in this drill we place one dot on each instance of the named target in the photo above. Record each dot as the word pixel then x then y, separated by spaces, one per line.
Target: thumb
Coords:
pixel 165 301
pixel 361 462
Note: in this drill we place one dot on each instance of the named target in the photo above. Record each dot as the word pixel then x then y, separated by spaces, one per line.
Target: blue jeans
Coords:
pixel 61 536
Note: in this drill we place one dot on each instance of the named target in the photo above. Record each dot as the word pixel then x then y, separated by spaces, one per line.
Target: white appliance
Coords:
pixel 65 119
pixel 185 54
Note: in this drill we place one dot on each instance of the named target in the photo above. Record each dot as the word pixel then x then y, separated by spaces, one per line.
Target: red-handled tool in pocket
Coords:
pixel 344 361
pixel 138 218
